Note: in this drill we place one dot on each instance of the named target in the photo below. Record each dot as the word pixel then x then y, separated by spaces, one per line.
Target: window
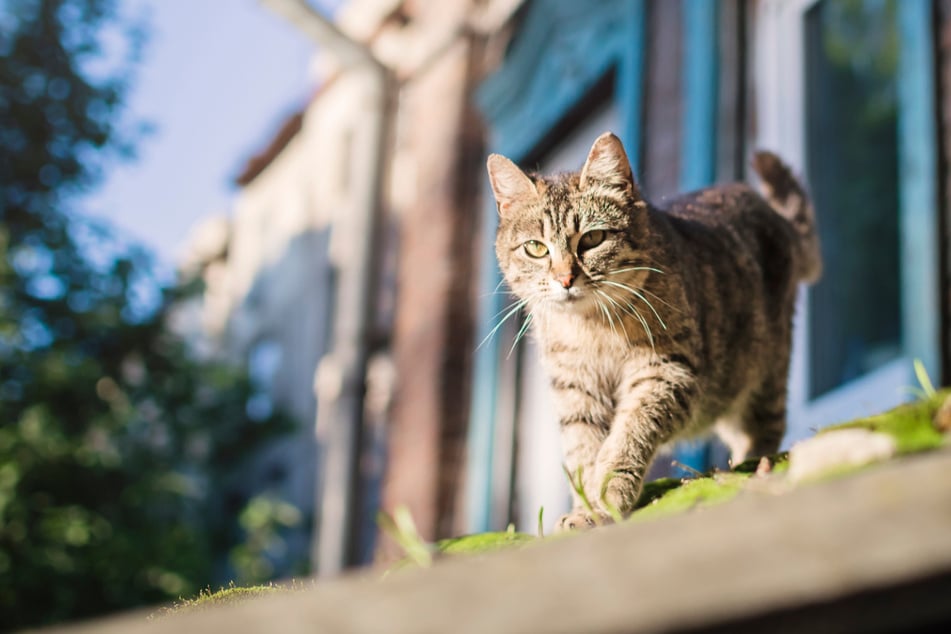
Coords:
pixel 845 92
pixel 852 159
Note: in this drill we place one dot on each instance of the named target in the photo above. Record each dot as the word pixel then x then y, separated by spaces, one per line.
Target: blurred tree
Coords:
pixel 116 447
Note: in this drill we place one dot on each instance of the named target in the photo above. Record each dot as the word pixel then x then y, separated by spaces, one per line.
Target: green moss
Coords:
pixel 910 425
pixel 666 496
pixel 225 596
pixel 778 462
pixel 657 489
pixel 482 543
pixel 476 544
pixel 703 491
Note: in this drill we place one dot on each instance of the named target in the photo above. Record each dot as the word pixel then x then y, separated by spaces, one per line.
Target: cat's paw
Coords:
pixel 582 519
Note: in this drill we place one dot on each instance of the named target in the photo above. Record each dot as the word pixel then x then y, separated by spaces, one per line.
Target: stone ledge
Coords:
pixel 869 551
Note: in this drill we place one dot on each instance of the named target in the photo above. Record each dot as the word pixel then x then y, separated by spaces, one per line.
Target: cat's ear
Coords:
pixel 509 183
pixel 607 164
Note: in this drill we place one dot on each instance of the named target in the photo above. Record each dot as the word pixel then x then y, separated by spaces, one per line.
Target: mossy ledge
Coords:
pixel 911 426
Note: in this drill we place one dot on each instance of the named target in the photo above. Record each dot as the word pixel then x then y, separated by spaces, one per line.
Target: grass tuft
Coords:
pixel 577 485
pixel 402 529
pixel 927 387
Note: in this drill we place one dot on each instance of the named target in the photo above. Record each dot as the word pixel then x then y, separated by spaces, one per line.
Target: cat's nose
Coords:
pixel 565 280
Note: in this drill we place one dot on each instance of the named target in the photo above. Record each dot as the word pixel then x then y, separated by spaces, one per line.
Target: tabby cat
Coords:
pixel 655 323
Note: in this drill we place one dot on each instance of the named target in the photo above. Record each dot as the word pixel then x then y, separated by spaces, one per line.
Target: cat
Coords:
pixel 655 323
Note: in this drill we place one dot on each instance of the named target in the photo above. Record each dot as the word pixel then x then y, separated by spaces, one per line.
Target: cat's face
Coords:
pixel 569 243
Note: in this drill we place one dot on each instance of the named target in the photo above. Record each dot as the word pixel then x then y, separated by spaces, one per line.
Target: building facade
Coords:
pixel 852 93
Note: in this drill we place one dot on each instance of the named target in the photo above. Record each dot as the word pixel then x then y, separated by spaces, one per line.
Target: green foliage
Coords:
pixel 262 520
pixel 116 447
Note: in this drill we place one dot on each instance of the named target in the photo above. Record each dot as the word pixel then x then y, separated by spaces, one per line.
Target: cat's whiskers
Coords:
pixel 632 310
pixel 620 317
pixel 640 296
pixel 662 301
pixel 605 311
pixel 493 293
pixel 521 332
pixel 509 310
pixel 496 291
pixel 642 289
pixel 634 268
pixel 517 303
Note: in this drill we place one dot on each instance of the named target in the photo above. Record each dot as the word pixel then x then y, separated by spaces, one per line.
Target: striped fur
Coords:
pixel 655 323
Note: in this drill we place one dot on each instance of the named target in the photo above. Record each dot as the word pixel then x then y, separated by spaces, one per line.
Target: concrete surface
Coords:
pixel 869 552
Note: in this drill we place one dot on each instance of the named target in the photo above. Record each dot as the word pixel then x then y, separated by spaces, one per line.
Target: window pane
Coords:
pixel 852 157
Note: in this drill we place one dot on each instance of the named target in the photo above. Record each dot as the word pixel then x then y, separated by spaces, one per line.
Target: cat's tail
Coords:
pixel 787 196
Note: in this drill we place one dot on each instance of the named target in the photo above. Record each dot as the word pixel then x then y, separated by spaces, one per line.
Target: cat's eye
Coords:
pixel 592 239
pixel 535 249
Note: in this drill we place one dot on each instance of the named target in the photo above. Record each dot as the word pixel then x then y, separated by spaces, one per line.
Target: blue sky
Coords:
pixel 217 79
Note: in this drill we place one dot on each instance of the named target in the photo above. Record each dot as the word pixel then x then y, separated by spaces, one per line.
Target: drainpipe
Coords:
pixel 340 378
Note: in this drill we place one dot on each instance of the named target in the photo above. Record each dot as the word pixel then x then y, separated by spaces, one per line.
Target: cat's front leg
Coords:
pixel 585 419
pixel 655 403
pixel 581 439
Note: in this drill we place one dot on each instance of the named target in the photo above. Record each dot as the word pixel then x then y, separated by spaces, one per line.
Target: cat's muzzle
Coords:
pixel 559 295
